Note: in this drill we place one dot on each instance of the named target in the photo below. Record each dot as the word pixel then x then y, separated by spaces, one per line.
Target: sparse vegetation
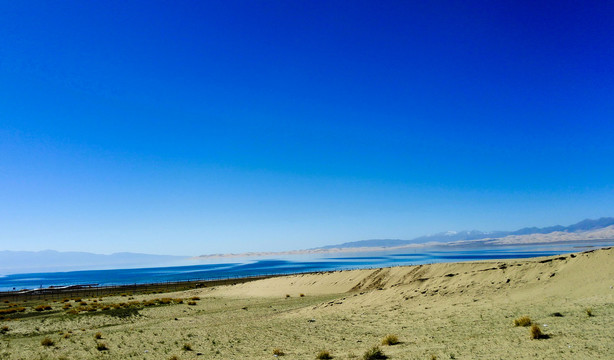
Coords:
pixel 47 341
pixel 100 346
pixel 589 312
pixel 522 321
pixel 287 295
pixel 301 295
pixel 187 347
pixel 43 307
pixel 123 312
pixel 12 310
pixel 191 302
pixel 375 353
pixel 98 335
pixel 4 329
pixel 174 357
pixel 278 352
pixel 195 298
pixel 536 332
pixel 324 355
pixel 390 339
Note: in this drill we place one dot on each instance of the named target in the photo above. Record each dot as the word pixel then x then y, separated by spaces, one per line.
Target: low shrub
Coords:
pixel 4 329
pixel 98 335
pixel 324 355
pixel 522 321
pixel 390 339
pixel 122 312
pixel 536 332
pixel 278 352
pixel 43 307
pixel 589 312
pixel 375 353
pixel 191 302
pixel 47 341
pixel 12 310
pixel 101 346
pixel 301 295
pixel 195 298
pixel 187 347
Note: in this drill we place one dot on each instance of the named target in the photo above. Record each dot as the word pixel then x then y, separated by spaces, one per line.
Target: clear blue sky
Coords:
pixel 177 127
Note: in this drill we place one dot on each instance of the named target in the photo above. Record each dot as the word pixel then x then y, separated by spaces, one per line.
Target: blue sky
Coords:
pixel 229 126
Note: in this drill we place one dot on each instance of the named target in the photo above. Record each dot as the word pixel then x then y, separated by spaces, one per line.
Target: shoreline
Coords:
pixel 461 310
pixel 60 291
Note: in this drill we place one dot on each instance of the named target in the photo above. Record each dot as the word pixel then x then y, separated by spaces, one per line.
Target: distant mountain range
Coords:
pixel 14 262
pixel 462 236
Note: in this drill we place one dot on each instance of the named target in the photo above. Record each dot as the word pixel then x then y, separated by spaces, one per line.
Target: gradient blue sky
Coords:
pixel 176 127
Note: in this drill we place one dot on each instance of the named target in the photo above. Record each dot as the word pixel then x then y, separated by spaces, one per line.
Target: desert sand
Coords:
pixel 442 311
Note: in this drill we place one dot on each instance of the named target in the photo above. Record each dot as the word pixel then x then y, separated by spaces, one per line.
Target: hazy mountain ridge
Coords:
pixel 12 262
pixel 586 225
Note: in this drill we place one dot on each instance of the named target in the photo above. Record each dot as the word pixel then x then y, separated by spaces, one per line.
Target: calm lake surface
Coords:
pixel 242 267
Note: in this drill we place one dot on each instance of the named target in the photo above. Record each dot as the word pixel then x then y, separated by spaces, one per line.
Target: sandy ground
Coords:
pixel 443 311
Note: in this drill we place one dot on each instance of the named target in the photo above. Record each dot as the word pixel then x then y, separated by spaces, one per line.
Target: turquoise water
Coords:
pixel 287 265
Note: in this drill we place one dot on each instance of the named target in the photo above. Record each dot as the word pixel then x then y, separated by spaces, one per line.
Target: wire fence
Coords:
pixel 72 290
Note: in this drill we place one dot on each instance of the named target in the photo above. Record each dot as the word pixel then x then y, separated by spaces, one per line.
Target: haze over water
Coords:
pixel 244 267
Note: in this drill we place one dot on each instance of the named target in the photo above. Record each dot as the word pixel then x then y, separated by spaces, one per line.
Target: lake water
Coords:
pixel 288 265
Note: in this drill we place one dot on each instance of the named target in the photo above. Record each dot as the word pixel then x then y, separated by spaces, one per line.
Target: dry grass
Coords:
pixel 536 332
pixel 43 307
pixel 98 335
pixel 469 317
pixel 375 353
pixel 47 341
pixel 324 355
pixel 390 339
pixel 523 321
pixel 12 310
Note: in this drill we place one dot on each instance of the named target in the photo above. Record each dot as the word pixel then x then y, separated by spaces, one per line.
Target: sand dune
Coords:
pixel 452 310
